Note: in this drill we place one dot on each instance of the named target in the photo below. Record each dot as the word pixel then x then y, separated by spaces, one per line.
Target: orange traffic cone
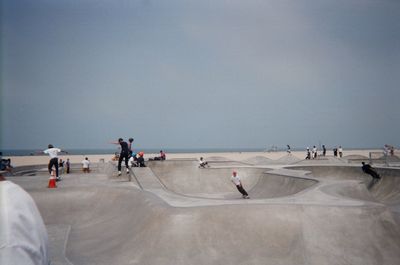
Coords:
pixel 52 180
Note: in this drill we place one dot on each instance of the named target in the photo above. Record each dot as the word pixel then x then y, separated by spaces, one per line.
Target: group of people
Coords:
pixel 137 160
pixel 58 165
pixel 313 154
pixel 130 158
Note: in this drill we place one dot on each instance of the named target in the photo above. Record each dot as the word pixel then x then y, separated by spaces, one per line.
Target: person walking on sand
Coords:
pixel 238 183
pixel 53 153
pixel 123 155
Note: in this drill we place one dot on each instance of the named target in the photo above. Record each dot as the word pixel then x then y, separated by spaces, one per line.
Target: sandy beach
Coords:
pixel 236 156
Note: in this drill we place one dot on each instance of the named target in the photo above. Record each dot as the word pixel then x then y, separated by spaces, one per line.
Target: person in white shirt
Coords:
pixel 238 183
pixel 53 153
pixel 133 160
pixel 86 165
pixel 23 235
pixel 202 163
pixel 340 151
pixel 314 152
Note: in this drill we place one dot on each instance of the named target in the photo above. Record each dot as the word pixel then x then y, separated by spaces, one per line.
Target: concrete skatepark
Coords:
pixel 172 212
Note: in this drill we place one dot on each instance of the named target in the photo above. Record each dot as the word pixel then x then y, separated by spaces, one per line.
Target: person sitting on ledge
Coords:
pixel 140 160
pixel 202 163
pixel 133 160
pixel 161 157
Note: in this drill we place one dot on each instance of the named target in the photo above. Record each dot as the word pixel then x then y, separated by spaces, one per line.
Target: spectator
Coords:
pixel 133 160
pixel 86 165
pixel 314 152
pixel 161 157
pixel 340 150
pixel 68 165
pixel 140 160
pixel 61 166
pixel 202 163
pixel 23 236
pixel 308 154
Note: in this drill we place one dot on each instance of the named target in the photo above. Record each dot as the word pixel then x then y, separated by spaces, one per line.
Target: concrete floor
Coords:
pixel 172 212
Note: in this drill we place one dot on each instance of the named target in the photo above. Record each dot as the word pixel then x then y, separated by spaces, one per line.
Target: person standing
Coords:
pixel 130 142
pixel 335 151
pixel 86 165
pixel 288 149
pixel 238 183
pixel 53 153
pixel 340 150
pixel 123 155
pixel 308 154
pixel 323 150
pixel 68 166
pixel 61 166
pixel 314 152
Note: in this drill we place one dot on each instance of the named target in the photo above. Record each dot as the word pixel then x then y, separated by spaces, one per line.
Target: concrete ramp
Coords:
pixel 312 216
pixel 146 178
pixel 189 180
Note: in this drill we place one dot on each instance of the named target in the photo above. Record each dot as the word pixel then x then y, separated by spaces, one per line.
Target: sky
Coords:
pixel 199 74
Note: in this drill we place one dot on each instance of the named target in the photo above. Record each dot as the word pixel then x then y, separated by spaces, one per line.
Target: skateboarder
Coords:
pixel 238 183
pixel 53 153
pixel 366 168
pixel 123 155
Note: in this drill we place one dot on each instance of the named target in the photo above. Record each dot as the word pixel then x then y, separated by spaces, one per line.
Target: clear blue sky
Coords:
pixel 192 74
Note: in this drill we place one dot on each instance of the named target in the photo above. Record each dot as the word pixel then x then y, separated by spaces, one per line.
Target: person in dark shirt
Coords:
pixel 140 160
pixel 125 152
pixel 366 168
pixel 130 145
pixel 323 150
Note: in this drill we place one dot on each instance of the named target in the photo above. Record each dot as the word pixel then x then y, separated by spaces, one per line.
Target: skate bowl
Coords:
pixel 354 183
pixel 101 219
pixel 185 178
